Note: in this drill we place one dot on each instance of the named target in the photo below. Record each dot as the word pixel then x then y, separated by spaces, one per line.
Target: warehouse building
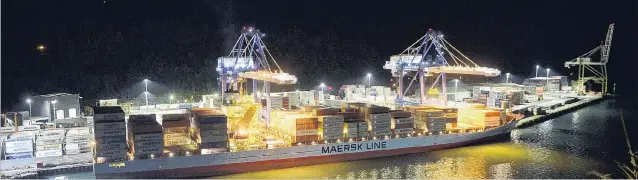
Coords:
pixel 56 106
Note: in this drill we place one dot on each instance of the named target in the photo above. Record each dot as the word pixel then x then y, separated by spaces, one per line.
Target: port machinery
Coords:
pixel 597 69
pixel 444 59
pixel 249 59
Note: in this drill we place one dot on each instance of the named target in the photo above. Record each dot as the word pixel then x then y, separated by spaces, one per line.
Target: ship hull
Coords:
pixel 260 160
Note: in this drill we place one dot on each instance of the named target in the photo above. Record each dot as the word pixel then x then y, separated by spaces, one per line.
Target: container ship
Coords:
pixel 204 142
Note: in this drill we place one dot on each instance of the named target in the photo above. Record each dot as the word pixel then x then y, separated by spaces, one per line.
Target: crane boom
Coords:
pixel 607 46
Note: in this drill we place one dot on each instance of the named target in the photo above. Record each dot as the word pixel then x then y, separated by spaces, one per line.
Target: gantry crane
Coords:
pixel 250 59
pixel 597 69
pixel 420 58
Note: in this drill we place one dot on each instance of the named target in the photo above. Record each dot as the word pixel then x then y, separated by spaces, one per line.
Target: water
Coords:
pixel 569 146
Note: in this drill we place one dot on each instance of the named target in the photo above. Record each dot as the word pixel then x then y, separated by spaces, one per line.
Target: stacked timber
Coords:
pixel 49 143
pixel 145 137
pixel 178 139
pixel 213 131
pixel 110 134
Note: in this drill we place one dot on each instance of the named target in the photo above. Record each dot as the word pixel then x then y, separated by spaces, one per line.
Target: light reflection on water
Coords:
pixel 494 161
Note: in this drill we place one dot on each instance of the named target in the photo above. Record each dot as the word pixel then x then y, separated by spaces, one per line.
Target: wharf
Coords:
pixel 28 168
pixel 552 113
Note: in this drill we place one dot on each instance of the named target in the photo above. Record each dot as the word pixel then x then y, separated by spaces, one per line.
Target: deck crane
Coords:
pixel 250 59
pixel 597 69
pixel 429 55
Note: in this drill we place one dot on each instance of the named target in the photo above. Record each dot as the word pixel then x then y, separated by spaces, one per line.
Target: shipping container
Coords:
pixel 110 139
pixel 400 114
pixel 48 147
pixel 48 153
pixel 112 146
pixel 110 125
pixel 108 114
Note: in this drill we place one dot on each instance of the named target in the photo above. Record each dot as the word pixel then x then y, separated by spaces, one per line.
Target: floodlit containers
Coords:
pixel 19 148
pixel 479 117
pixel 325 111
pixel 429 120
pixel 351 129
pixel 379 124
pixel 363 131
pixel 213 131
pixel 331 127
pixel 176 129
pixel 402 125
pixel 110 134
pixel 516 97
pixel 302 129
pixel 47 146
pixel 145 137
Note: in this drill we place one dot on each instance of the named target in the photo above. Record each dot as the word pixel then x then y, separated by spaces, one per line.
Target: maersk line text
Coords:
pixel 353 147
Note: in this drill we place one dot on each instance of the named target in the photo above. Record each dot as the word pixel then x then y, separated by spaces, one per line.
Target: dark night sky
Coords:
pixel 95 47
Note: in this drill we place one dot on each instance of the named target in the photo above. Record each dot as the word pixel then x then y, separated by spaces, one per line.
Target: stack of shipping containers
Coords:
pixel 330 124
pixel 351 126
pixel 19 145
pixel 213 131
pixel 402 123
pixel 49 143
pixel 303 129
pixel 145 138
pixel 178 138
pixel 479 117
pixel 379 121
pixel 77 140
pixel 110 134
pixel 494 98
pixel 430 120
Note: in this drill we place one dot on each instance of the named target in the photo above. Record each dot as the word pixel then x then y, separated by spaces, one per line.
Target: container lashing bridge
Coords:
pixel 250 59
pixel 430 55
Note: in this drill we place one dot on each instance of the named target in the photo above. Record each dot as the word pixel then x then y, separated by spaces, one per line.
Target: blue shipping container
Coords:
pixel 19 156
pixel 214 145
pixel 185 106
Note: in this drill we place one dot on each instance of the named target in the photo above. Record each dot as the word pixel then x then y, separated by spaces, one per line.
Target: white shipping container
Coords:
pixel 18 146
pixel 77 139
pixel 148 136
pixel 113 146
pixel 111 125
pixel 48 147
pixel 116 153
pixel 176 135
pixel 175 141
pixel 331 119
pixel 404 131
pixel 306 132
pixel 30 136
pixel 48 141
pixel 404 120
pixel 110 132
pixel 215 139
pixel 335 124
pixel 48 153
pixel 149 150
pixel 148 143
pixel 52 133
pixel 78 131
pixel 71 146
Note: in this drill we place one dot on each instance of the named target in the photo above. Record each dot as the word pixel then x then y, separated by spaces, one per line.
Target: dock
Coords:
pixel 552 113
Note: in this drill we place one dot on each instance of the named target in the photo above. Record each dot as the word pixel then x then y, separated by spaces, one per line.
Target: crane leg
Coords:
pixel 422 86
pixel 444 87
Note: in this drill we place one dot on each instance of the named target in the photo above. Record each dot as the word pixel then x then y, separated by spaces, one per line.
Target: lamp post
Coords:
pixel 29 102
pixel 456 85
pixel 170 98
pixel 537 70
pixel 146 92
pixel 322 85
pixel 369 80
pixel 547 77
pixel 507 77
pixel 54 113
